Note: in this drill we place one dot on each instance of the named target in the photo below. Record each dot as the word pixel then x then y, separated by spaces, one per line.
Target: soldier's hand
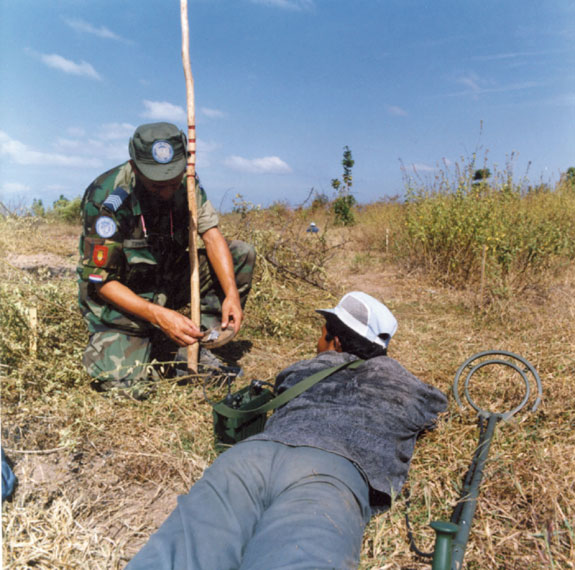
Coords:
pixel 232 313
pixel 178 327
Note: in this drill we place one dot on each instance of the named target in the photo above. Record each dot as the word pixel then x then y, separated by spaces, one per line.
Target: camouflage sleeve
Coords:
pixel 207 215
pixel 101 251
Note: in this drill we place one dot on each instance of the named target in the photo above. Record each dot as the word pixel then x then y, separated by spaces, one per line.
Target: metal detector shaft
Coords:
pixel 451 538
pixel 470 494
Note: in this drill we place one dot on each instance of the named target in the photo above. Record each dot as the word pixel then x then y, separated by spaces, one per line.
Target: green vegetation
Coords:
pixel 62 210
pixel 98 475
pixel 470 232
pixel 344 201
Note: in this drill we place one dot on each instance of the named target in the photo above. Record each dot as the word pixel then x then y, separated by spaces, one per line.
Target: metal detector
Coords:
pixel 451 537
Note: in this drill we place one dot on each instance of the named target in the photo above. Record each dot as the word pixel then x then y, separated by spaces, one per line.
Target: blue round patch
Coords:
pixel 105 226
pixel 163 152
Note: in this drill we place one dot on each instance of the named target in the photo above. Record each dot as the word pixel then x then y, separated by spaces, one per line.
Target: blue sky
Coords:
pixel 281 86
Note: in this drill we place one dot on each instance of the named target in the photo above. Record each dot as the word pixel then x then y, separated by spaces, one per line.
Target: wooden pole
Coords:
pixel 193 350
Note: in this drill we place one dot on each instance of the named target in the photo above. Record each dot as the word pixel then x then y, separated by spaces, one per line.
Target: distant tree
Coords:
pixel 344 201
pixel 71 211
pixel 480 175
pixel 66 210
pixel 38 208
pixel 61 202
pixel 570 175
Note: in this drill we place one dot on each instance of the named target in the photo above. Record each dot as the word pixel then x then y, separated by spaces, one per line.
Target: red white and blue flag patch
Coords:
pixel 95 278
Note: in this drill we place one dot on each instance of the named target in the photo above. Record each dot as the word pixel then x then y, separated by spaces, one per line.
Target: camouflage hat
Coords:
pixel 159 151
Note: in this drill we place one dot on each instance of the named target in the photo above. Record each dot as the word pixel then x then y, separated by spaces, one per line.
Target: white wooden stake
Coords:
pixel 193 350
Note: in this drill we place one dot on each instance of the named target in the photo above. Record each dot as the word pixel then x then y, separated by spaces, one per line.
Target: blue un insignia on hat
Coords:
pixel 115 199
pixel 162 151
pixel 105 227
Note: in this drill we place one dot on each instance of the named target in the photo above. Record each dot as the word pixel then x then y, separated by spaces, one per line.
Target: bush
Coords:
pixel 69 211
pixel 467 232
pixel 288 260
pixel 343 210
pixel 320 201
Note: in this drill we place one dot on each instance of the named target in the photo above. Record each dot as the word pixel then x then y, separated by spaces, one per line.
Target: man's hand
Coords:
pixel 178 327
pixel 232 313
pixel 221 261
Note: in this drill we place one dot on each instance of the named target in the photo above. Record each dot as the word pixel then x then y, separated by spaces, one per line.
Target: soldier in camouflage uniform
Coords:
pixel 134 270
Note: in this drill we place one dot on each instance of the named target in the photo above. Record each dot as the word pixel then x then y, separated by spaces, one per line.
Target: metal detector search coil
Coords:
pixel 451 537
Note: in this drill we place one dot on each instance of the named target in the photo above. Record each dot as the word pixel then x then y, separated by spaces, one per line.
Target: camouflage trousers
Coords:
pixel 115 357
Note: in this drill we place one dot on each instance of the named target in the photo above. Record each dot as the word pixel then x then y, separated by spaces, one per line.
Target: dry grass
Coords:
pixel 97 476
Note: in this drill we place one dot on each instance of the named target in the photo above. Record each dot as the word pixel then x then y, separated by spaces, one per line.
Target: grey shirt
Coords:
pixel 371 415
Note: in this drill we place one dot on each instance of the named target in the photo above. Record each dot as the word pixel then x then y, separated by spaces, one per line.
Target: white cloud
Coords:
pixel 107 142
pixel 76 131
pixel 514 55
pixel 298 5
pixel 57 187
pixel 212 113
pixel 19 153
pixel 114 131
pixel 207 146
pixel 101 148
pixel 264 165
pixel 14 187
pixel 471 81
pixel 164 111
pixel 563 100
pixel 474 85
pixel 85 27
pixel 83 69
pixel 396 111
pixel 423 167
pixel 205 150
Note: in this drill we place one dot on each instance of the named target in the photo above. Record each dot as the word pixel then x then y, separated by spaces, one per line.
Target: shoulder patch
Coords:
pixel 115 199
pixel 105 227
pixel 100 255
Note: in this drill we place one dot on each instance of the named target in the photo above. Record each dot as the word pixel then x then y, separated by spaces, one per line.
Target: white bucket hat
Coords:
pixel 366 316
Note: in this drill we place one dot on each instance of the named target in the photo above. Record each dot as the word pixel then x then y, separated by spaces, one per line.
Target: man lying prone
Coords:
pixel 299 494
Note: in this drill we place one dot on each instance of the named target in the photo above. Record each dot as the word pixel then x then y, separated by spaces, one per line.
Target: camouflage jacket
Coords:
pixel 130 237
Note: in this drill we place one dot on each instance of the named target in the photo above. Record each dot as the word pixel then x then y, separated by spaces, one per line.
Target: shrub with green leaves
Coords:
pixel 469 231
pixel 69 211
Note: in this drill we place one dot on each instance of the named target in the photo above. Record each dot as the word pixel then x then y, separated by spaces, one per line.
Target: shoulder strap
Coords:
pixel 289 394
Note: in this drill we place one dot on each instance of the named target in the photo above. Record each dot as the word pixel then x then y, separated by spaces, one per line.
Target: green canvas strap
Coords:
pixel 288 395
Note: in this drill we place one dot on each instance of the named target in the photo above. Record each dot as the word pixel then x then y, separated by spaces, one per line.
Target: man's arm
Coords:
pixel 220 259
pixel 178 327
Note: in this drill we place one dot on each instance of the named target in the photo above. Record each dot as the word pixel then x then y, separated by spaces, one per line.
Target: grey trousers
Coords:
pixel 264 505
